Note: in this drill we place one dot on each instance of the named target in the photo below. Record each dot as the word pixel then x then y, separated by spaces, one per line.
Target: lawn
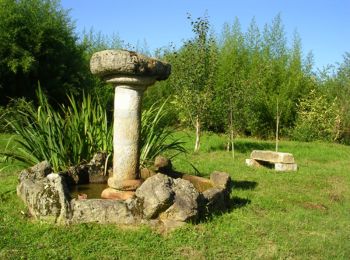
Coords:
pixel 296 215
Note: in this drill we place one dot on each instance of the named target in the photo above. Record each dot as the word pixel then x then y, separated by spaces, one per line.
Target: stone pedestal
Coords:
pixel 131 74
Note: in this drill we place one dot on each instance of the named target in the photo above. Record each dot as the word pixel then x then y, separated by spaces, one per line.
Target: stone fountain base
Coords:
pixel 161 199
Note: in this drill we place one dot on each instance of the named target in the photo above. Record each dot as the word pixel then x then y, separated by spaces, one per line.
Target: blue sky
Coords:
pixel 323 25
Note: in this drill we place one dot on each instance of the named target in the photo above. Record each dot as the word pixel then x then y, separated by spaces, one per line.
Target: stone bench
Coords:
pixel 280 161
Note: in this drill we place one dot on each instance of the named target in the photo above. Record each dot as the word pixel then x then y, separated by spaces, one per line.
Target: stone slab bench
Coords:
pixel 280 161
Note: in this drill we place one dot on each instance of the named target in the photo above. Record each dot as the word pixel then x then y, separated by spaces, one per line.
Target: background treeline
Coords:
pixel 237 82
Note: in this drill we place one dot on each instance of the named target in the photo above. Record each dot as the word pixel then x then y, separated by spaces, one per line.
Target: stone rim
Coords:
pixel 111 63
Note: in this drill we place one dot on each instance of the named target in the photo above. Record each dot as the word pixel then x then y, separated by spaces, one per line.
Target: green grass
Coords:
pixel 297 215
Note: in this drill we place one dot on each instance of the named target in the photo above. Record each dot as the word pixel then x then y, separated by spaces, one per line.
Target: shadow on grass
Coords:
pixel 244 185
pixel 247 146
pixel 234 203
pixel 237 202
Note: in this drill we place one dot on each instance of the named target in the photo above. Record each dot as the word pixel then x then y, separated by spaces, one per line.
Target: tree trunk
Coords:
pixel 232 133
pixel 277 126
pixel 198 132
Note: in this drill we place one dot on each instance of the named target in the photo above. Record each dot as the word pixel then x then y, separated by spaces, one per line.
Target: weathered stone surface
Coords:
pixel 201 184
pixel 128 185
pixel 185 206
pixel 122 62
pixel 282 167
pixel 92 172
pixel 104 211
pixel 215 199
pixel 114 194
pixel 46 198
pixel 131 73
pixel 145 173
pixel 162 164
pixel 221 180
pixel 272 157
pixel 157 195
pixel 38 171
pixel 252 162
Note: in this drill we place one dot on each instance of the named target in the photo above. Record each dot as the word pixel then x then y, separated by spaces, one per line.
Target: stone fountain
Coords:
pixel 162 198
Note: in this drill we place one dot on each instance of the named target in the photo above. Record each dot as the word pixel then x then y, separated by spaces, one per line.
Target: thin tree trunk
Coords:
pixel 198 132
pixel 232 133
pixel 277 126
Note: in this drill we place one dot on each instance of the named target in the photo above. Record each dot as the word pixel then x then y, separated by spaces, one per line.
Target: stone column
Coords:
pixel 131 74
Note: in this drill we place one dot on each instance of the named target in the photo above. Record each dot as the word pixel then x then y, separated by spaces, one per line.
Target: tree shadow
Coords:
pixel 247 146
pixel 244 185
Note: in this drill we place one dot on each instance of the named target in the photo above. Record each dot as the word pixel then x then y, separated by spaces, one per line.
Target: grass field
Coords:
pixel 296 215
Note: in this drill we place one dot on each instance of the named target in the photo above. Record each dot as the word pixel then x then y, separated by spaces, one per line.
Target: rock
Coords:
pixel 99 159
pixel 122 62
pixel 104 211
pixel 91 172
pixel 162 164
pixel 286 167
pixel 215 199
pixel 38 171
pixel 252 162
pixel 114 194
pixel 128 185
pixel 47 199
pixel 221 180
pixel 146 173
pixel 272 157
pixel 157 195
pixel 185 206
pixel 201 184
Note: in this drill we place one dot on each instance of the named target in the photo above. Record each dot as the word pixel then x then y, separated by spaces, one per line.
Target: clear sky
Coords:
pixel 323 25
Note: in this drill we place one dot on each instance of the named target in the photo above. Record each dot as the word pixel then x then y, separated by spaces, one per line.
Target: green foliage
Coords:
pixel 193 76
pixel 38 44
pixel 318 119
pixel 156 137
pixel 336 85
pixel 78 130
pixel 64 137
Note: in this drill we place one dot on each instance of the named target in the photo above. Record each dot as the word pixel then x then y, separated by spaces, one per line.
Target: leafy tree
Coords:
pixel 38 44
pixel 231 74
pixel 193 79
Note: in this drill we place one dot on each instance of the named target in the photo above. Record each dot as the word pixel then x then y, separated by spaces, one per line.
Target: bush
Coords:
pixel 317 119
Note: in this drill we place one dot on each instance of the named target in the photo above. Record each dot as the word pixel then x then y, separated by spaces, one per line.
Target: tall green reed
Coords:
pixel 75 132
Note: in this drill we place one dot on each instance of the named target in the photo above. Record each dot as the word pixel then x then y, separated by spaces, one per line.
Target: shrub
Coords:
pixel 317 119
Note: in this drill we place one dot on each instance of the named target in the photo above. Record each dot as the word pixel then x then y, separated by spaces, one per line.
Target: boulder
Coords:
pixel 92 172
pixel 214 199
pixel 105 211
pixel 146 173
pixel 185 206
pixel 37 172
pixel 47 198
pixel 156 195
pixel 221 180
pixel 162 164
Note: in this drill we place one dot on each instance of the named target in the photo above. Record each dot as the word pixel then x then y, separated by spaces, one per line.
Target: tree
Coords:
pixel 231 70
pixel 38 44
pixel 194 68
